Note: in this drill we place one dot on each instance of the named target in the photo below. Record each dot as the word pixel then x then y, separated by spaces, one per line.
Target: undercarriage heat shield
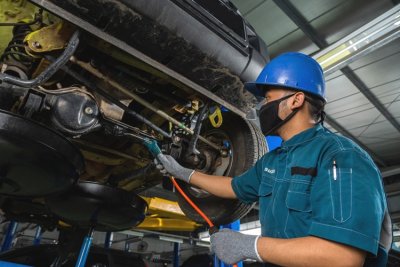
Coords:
pixel 34 160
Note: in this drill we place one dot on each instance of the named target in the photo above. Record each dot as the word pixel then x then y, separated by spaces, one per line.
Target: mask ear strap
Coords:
pixel 322 117
pixel 322 112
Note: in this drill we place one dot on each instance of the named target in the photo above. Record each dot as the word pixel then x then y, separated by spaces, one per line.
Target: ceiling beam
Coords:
pixel 344 132
pixel 290 10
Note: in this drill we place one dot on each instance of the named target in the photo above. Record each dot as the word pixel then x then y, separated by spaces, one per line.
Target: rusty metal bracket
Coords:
pixel 50 38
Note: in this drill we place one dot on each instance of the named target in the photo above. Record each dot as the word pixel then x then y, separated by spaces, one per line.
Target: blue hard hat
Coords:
pixel 291 70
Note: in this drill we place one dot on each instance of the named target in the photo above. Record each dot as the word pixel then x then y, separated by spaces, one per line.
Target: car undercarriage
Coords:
pixel 77 102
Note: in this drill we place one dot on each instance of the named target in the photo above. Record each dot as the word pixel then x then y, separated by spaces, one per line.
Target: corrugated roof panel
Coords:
pixel 339 88
pixel 388 151
pixel 349 105
pixel 358 119
pixel 387 89
pixel 294 41
pixel 382 138
pixel 391 98
pixel 382 130
pixel 381 71
pixel 270 22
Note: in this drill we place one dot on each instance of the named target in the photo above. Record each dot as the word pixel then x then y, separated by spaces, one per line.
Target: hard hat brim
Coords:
pixel 255 89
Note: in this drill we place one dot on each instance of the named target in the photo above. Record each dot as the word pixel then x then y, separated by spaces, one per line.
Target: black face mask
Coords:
pixel 269 119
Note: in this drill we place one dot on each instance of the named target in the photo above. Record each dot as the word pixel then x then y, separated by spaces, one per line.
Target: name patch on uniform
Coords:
pixel 304 171
pixel 271 171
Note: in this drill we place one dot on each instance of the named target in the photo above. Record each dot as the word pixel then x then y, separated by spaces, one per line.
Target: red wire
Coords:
pixel 196 208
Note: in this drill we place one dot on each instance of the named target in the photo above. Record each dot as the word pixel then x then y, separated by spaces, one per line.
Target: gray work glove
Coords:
pixel 231 247
pixel 169 166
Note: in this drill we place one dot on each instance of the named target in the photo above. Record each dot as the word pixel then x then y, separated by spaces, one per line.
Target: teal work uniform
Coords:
pixel 320 184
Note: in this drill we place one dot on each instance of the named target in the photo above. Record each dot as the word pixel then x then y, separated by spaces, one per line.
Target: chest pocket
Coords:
pixel 298 201
pixel 298 196
pixel 298 204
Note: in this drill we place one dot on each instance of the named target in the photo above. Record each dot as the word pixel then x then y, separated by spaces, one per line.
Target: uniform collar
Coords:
pixel 304 136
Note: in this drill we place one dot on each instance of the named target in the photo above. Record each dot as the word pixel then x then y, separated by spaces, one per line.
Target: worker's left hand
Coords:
pixel 232 247
pixel 169 166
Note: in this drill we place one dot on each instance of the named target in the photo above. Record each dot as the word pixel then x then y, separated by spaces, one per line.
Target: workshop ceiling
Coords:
pixel 363 97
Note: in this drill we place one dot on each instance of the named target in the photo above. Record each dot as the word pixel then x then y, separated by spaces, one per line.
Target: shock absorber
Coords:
pixel 15 60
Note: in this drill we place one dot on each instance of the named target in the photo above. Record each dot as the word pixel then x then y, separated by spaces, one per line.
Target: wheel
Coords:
pixel 245 144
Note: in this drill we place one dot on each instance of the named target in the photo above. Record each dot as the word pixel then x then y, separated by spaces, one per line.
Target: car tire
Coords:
pixel 247 146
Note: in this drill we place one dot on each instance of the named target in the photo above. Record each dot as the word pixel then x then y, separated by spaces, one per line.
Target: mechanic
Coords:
pixel 321 198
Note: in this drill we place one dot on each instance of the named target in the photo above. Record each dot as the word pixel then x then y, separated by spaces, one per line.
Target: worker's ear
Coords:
pixel 297 101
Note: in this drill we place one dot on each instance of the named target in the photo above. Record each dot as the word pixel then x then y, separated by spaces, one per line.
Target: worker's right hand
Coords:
pixel 169 166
